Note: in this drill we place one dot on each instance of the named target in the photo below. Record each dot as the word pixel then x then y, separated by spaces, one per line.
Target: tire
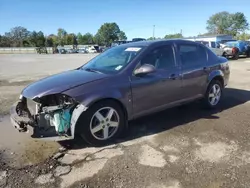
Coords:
pixel 207 100
pixel 236 56
pixel 224 55
pixel 248 53
pixel 94 131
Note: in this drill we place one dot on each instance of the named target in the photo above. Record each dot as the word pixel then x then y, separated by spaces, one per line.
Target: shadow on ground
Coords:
pixel 171 118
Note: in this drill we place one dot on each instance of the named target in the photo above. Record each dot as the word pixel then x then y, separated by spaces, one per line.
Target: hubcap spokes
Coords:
pixel 214 95
pixel 104 123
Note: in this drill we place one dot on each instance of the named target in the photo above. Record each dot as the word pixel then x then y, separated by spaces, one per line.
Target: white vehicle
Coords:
pixel 91 49
pixel 214 46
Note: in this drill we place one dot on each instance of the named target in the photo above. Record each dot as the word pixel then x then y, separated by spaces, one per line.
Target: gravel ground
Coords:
pixel 185 147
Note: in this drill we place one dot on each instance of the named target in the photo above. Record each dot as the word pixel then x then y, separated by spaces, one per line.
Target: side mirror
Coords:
pixel 144 70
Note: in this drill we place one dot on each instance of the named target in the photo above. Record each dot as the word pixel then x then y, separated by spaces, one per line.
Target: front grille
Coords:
pixel 31 105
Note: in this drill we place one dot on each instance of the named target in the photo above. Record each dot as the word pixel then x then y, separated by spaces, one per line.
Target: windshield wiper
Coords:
pixel 92 70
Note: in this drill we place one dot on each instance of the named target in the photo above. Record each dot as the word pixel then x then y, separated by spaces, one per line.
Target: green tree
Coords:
pixel 18 35
pixel 5 41
pixel 97 39
pixel 88 38
pixel 61 36
pixel 52 41
pixel 122 35
pixel 150 38
pixel 69 39
pixel 243 36
pixel 227 23
pixel 79 38
pixel 108 33
pixel 173 36
pixel 37 39
pixel 153 38
pixel 239 23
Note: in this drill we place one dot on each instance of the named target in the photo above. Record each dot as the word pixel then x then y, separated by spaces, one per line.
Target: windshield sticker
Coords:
pixel 118 67
pixel 132 49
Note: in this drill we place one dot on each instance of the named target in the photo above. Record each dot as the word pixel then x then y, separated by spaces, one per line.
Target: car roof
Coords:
pixel 156 42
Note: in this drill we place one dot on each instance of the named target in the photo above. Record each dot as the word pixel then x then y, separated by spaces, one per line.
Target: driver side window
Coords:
pixel 160 57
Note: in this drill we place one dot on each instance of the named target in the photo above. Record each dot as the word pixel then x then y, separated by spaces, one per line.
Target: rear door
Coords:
pixel 193 58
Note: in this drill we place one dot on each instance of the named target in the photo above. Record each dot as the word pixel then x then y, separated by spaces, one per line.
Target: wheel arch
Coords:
pixel 216 75
pixel 76 125
pixel 109 99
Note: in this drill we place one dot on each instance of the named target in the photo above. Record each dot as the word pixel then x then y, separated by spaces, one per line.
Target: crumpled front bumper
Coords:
pixel 21 123
pixel 26 124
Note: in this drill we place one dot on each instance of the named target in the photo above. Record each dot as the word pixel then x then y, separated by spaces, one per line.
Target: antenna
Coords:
pixel 153 31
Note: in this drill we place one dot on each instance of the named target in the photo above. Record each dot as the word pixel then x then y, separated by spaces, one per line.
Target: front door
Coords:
pixel 156 90
pixel 193 58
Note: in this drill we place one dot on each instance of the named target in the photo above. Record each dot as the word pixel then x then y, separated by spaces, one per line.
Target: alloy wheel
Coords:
pixel 104 123
pixel 214 94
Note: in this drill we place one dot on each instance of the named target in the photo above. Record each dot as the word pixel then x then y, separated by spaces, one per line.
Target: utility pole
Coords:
pixel 153 31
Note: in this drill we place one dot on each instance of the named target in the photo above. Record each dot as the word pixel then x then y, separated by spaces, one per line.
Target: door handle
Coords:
pixel 206 68
pixel 173 76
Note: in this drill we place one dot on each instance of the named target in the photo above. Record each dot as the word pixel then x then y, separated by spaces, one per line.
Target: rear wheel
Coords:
pixel 102 123
pixel 213 94
pixel 248 53
pixel 236 56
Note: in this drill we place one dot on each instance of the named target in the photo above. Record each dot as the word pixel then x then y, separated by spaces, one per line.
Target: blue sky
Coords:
pixel 135 17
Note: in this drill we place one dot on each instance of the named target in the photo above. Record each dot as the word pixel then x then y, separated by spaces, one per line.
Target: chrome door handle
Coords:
pixel 174 76
pixel 206 68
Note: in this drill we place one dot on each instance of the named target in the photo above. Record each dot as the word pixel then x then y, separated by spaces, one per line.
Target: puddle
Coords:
pixel 18 149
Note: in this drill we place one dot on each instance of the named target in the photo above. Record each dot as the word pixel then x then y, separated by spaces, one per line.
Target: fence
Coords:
pixel 21 50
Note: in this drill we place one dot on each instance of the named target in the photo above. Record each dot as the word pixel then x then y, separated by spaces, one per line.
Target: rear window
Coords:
pixel 192 55
pixel 231 44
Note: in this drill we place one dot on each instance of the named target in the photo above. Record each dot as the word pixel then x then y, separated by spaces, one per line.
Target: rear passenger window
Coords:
pixel 192 55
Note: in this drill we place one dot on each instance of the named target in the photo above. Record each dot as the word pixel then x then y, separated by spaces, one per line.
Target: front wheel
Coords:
pixel 213 94
pixel 102 123
pixel 224 55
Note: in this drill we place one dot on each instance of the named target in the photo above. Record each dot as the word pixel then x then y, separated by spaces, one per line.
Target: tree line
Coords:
pixel 234 24
pixel 22 37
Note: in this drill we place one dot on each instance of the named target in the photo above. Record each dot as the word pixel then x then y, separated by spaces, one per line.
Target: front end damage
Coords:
pixel 52 117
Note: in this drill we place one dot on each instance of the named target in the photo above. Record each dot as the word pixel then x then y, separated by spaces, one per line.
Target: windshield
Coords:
pixel 231 44
pixel 203 42
pixel 112 60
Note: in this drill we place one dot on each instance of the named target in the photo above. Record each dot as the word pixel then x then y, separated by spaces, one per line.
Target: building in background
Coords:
pixel 214 38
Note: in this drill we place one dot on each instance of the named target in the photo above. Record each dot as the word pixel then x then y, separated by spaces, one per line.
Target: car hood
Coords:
pixel 60 82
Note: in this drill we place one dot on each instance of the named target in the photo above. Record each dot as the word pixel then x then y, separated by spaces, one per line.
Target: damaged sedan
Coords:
pixel 97 100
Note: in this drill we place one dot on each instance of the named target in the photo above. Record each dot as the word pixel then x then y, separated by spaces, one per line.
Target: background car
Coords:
pixel 236 48
pixel 214 46
pixel 91 49
pixel 82 51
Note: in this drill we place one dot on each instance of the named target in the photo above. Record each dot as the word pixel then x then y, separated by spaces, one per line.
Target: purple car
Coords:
pixel 97 100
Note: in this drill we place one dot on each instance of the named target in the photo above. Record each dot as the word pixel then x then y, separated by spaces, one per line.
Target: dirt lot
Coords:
pixel 185 147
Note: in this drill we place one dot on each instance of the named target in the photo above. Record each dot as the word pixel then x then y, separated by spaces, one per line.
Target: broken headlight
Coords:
pixel 64 100
pixel 55 100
